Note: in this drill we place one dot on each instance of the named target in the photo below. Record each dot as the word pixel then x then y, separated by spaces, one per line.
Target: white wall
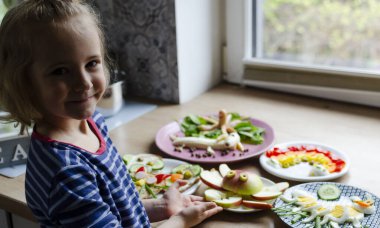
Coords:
pixel 200 36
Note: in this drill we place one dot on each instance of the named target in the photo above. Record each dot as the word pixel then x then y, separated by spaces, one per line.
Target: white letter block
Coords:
pixel 19 151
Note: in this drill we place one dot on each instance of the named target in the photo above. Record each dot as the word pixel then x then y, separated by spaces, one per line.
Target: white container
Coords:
pixel 112 100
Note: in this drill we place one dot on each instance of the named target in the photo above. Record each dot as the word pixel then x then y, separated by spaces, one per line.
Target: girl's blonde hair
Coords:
pixel 16 55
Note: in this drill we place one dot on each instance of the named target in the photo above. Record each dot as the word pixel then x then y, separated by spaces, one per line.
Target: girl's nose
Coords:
pixel 83 81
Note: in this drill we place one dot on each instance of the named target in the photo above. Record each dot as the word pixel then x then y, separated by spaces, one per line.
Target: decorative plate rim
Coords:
pixel 340 185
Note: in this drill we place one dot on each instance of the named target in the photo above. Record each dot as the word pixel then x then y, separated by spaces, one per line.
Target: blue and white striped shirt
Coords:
pixel 68 186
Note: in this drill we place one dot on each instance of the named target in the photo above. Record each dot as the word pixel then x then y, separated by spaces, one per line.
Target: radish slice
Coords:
pixel 140 175
pixel 151 180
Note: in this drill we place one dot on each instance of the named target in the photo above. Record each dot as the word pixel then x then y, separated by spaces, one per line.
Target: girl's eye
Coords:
pixel 92 64
pixel 60 71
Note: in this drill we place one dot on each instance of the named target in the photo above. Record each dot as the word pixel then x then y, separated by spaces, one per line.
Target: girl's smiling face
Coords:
pixel 67 73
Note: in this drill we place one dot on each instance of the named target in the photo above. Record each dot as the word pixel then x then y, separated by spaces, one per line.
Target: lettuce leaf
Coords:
pixel 248 132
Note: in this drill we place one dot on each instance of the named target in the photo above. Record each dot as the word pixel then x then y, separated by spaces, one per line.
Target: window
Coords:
pixel 316 47
pixel 3 10
pixel 340 33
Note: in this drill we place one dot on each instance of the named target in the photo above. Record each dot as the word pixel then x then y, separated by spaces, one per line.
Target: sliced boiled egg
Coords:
pixel 338 214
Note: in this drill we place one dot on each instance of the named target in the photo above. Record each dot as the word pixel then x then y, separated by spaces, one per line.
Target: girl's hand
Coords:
pixel 193 215
pixel 175 201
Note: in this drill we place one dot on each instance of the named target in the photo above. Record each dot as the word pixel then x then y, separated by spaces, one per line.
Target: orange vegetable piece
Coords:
pixel 363 203
pixel 176 176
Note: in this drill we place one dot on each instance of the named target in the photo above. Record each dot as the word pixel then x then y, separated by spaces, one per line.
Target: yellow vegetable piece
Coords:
pixel 140 182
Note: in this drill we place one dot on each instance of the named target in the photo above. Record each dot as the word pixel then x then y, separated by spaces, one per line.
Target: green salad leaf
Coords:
pixel 249 133
pixel 189 125
pixel 212 134
pixel 235 116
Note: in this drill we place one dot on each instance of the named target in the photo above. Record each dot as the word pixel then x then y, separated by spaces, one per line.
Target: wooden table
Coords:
pixel 350 128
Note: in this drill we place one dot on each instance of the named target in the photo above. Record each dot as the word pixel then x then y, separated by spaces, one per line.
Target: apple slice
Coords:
pixel 281 186
pixel 213 194
pixel 233 201
pixel 256 204
pixel 224 169
pixel 266 194
pixel 212 179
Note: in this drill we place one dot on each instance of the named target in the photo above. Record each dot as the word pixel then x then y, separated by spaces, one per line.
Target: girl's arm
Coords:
pixel 156 209
pixel 75 200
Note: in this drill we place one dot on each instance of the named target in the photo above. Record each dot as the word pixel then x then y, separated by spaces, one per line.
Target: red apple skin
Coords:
pixel 249 187
pixel 211 179
pixel 256 204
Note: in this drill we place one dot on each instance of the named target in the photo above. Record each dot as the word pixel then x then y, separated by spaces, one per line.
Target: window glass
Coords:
pixel 341 33
pixel 3 10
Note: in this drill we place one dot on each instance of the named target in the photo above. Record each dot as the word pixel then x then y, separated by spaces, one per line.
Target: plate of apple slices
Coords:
pixel 240 191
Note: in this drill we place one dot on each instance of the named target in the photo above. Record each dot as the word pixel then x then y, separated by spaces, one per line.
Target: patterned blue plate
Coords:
pixel 347 191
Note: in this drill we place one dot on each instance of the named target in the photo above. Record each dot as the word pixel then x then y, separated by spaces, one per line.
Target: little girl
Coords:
pixel 52 74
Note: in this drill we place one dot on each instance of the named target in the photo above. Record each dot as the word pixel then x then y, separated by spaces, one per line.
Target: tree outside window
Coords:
pixel 325 32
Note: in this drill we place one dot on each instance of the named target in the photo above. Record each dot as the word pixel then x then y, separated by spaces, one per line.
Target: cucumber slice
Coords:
pixel 127 158
pixel 196 170
pixel 329 192
pixel 156 164
pixel 181 169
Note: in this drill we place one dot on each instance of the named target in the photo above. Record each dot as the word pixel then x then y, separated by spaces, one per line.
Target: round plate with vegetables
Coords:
pixel 305 161
pixel 222 138
pixel 240 191
pixel 328 204
pixel 153 175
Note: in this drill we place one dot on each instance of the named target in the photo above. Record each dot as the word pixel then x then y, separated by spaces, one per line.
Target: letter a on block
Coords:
pixel 1 159
pixel 19 151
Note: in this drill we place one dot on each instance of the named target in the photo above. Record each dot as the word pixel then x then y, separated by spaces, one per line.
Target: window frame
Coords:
pixel 242 19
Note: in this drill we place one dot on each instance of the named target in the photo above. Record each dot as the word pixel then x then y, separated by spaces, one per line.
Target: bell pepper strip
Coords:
pixel 140 169
pixel 160 177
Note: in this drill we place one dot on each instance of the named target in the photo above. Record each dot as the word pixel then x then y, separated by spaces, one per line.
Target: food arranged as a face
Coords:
pixel 223 133
pixel 238 188
pixel 326 208
pixel 152 178
pixel 321 162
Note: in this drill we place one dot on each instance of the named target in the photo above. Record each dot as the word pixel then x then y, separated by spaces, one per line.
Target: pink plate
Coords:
pixel 164 142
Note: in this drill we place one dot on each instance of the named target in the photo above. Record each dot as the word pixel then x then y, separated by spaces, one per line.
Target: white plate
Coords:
pixel 301 172
pixel 243 209
pixel 347 191
pixel 170 164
